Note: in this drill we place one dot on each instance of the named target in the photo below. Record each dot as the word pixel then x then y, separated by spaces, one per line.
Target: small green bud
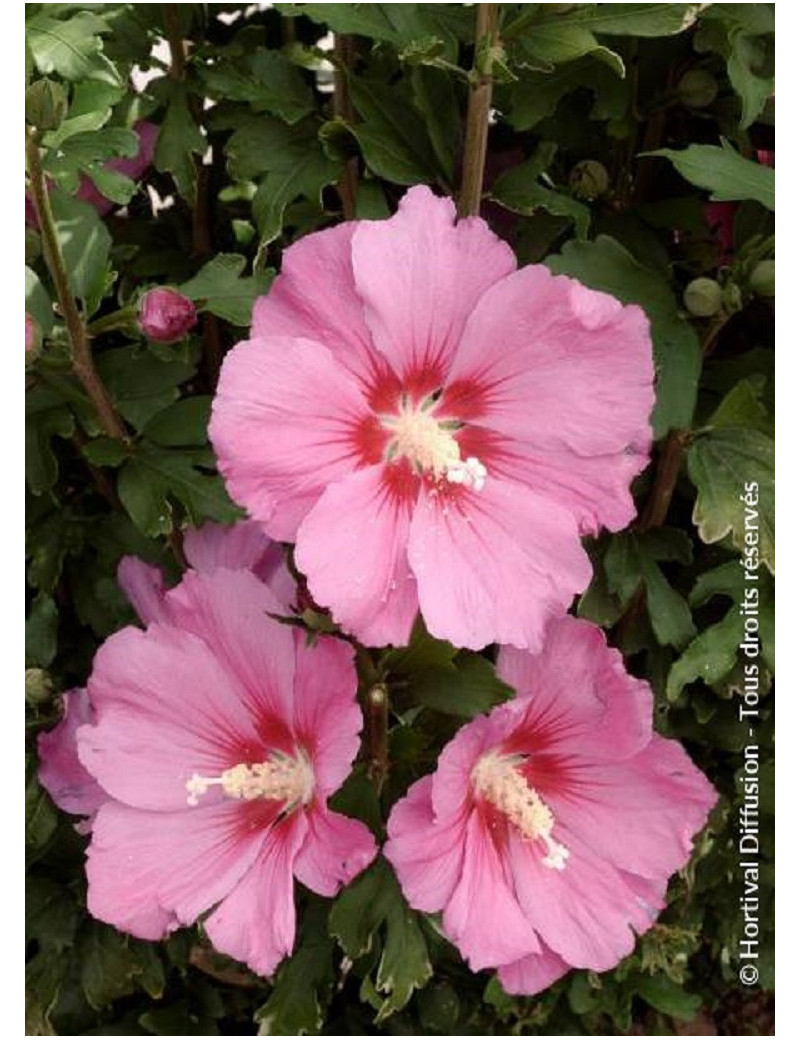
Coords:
pixel 697 88
pixel 45 104
pixel 589 179
pixel 762 280
pixel 38 686
pixel 702 297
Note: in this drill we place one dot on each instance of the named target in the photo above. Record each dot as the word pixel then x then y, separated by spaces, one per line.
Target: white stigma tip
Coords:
pixel 470 472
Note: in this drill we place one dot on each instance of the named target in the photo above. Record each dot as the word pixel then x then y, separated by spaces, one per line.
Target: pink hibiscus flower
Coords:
pixel 550 828
pixel 239 546
pixel 219 736
pixel 433 428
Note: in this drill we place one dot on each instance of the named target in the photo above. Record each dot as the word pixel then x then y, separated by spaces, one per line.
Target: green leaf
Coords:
pixel 71 48
pixel 399 24
pixel 606 265
pixel 266 80
pixel 648 20
pixel 519 190
pixel 41 632
pixel 140 383
pixel 37 301
pixel 105 451
pixel 183 424
pixel 393 135
pixel 743 406
pixel 51 914
pixel 85 243
pixel 371 912
pixel 710 657
pixel 436 100
pixel 536 95
pixel 467 687
pixel 668 997
pixel 46 416
pixel 721 463
pixel 304 984
pixel 179 141
pixel 751 70
pixel 85 152
pixel 149 480
pixel 112 965
pixel 40 816
pixel 288 160
pixel 722 171
pixel 219 288
pixel 632 560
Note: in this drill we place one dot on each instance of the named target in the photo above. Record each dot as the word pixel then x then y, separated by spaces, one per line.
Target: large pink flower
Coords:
pixel 434 428
pixel 550 828
pixel 219 736
pixel 239 546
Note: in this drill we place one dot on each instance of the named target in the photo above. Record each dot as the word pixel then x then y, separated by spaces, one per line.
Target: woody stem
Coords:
pixel 480 99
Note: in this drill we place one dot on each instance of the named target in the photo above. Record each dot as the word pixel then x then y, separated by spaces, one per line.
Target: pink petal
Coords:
pixel 419 275
pixel 143 584
pixel 352 549
pixel 61 773
pixel 663 798
pixel 152 871
pixel 335 850
pixel 483 916
pixel 165 709
pixel 585 912
pixel 580 698
pixel 256 922
pixel 427 856
pixel 532 974
pixel 567 374
pixel 287 420
pixel 229 611
pixel 494 565
pixel 314 297
pixel 452 783
pixel 327 718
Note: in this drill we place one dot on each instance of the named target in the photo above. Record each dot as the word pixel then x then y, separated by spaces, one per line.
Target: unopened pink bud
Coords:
pixel 165 315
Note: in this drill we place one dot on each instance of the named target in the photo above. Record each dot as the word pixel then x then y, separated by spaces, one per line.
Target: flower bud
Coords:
pixel 697 88
pixel 45 104
pixel 589 179
pixel 762 280
pixel 702 297
pixel 33 337
pixel 38 686
pixel 165 315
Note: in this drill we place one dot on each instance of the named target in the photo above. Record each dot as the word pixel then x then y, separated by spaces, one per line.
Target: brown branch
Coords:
pixel 344 51
pixel 80 351
pixel 377 734
pixel 477 125
pixel 177 45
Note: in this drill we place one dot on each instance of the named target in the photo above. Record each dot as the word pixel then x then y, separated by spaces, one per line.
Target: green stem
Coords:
pixel 477 126
pixel 123 319
pixel 80 352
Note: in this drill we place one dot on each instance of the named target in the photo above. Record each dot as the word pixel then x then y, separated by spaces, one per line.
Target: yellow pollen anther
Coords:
pixel 431 447
pixel 498 779
pixel 281 778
